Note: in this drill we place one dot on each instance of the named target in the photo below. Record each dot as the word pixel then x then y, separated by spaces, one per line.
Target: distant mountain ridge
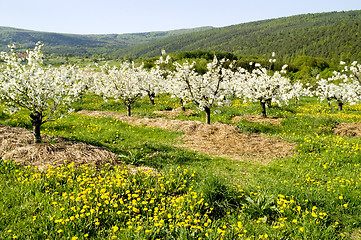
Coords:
pixel 79 44
pixel 332 35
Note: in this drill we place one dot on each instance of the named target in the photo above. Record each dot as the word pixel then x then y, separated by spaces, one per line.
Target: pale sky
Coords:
pixel 132 16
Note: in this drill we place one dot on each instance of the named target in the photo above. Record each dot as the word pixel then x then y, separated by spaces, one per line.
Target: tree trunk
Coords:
pixel 151 98
pixel 182 105
pixel 36 122
pixel 129 111
pixel 340 104
pixel 296 100
pixel 263 106
pixel 268 102
pixel 208 115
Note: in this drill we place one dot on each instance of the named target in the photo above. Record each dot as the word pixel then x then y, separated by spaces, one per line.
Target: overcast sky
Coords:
pixel 131 16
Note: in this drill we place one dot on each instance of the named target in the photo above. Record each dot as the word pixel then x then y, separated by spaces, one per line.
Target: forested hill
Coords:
pixel 80 45
pixel 333 35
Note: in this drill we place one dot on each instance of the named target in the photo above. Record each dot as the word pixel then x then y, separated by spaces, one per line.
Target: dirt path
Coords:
pixel 217 139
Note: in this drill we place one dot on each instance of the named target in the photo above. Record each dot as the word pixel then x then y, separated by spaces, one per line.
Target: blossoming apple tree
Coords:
pixel 262 86
pixel 119 83
pixel 299 90
pixel 206 91
pixel 46 91
pixel 353 72
pixel 344 87
pixel 150 81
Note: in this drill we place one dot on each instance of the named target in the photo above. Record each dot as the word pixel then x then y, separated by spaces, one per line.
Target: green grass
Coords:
pixel 311 195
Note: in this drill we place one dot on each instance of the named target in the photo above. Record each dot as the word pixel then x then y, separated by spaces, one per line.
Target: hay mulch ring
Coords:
pixel 225 140
pixel 175 112
pixel 17 144
pixel 258 119
pixel 218 139
pixel 348 129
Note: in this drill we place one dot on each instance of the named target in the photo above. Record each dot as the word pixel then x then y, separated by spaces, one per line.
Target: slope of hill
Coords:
pixel 136 38
pixel 83 44
pixel 333 35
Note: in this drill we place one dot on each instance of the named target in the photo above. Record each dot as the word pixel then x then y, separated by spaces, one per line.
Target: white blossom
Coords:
pixel 343 87
pixel 298 90
pixel 207 90
pixel 151 82
pixel 46 91
pixel 259 85
pixel 119 83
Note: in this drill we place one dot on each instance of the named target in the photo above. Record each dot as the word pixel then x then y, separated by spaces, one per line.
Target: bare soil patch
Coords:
pixel 217 139
pixel 258 119
pixel 17 144
pixel 348 129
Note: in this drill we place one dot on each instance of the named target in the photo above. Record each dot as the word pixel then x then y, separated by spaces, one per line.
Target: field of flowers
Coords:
pixel 314 194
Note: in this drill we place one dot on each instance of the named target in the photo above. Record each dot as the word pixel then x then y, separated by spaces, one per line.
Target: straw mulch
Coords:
pixel 258 119
pixel 175 112
pixel 17 144
pixel 348 129
pixel 218 139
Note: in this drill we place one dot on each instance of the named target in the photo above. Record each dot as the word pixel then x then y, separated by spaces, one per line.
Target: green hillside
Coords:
pixel 334 35
pixel 83 44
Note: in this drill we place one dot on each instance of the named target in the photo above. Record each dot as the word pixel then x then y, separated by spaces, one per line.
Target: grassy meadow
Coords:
pixel 183 194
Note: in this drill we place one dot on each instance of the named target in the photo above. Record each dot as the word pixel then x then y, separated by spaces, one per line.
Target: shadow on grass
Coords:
pixel 246 126
pixel 159 155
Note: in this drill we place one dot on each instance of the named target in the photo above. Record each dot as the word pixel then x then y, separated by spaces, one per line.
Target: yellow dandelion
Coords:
pixel 239 224
pixel 115 228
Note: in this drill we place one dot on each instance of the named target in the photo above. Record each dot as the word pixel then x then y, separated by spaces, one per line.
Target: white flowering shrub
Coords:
pixel 46 91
